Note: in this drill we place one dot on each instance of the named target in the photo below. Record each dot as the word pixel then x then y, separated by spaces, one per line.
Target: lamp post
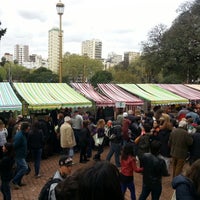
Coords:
pixel 60 10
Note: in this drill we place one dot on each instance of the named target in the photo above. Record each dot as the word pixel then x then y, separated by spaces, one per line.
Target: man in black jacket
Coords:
pixel 154 169
pixel 115 142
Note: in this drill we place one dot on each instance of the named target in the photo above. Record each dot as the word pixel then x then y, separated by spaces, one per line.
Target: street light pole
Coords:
pixel 60 10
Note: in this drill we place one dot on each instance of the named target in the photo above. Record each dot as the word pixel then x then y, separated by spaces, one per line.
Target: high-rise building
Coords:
pixel 53 50
pixel 21 53
pixel 92 48
pixel 130 56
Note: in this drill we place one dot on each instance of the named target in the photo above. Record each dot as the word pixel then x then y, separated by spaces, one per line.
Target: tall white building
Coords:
pixel 92 48
pixel 53 50
pixel 21 53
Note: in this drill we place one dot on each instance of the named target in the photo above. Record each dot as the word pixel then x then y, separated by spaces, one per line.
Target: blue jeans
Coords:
pixel 37 154
pixel 22 168
pixel 131 187
pixel 115 148
pixel 154 190
pixel 5 189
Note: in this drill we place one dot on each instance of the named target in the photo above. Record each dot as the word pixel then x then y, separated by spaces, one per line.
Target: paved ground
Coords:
pixel 50 165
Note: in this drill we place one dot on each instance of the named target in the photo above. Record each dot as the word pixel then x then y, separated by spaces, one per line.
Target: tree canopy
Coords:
pixel 2 31
pixel 175 51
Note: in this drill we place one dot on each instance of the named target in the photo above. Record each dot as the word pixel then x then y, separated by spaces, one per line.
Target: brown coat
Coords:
pixel 180 141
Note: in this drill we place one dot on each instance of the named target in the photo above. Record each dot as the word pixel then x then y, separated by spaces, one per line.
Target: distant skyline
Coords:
pixel 120 25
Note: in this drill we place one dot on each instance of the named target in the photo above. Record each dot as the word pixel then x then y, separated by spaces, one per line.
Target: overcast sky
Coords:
pixel 121 25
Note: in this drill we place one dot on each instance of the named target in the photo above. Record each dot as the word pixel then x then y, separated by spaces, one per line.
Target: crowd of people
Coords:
pixel 147 143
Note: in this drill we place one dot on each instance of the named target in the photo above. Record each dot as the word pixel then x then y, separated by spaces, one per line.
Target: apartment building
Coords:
pixel 130 56
pixel 92 48
pixel 53 49
pixel 21 53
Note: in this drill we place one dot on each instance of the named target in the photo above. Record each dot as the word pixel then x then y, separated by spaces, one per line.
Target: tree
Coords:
pixel 16 72
pixel 101 77
pixel 152 55
pixel 80 68
pixel 42 75
pixel 2 31
pixel 174 52
pixel 3 61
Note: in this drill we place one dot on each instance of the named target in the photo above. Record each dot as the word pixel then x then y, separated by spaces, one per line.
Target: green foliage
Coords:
pixel 2 31
pixel 101 77
pixel 3 61
pixel 42 75
pixel 2 74
pixel 174 52
pixel 80 68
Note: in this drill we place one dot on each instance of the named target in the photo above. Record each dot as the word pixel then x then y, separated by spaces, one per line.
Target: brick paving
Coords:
pixel 50 165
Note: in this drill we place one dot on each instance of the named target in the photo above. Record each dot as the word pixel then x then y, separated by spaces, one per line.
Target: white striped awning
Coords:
pixel 8 99
pixel 50 96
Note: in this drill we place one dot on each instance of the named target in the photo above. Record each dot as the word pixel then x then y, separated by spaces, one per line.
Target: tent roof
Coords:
pixel 8 98
pixel 156 95
pixel 88 91
pixel 182 90
pixel 194 86
pixel 50 95
pixel 119 95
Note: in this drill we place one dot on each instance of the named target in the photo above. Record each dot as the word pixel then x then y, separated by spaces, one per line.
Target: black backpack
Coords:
pixel 44 193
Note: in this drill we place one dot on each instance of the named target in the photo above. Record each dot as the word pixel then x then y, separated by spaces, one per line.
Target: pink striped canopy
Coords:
pixel 182 90
pixel 89 92
pixel 119 95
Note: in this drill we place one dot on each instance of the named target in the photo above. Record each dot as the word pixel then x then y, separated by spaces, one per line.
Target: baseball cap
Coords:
pixel 66 161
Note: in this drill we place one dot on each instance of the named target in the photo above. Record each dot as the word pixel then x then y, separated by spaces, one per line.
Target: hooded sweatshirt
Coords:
pixel 184 187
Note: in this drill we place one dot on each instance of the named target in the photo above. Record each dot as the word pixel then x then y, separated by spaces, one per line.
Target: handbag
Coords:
pixel 97 141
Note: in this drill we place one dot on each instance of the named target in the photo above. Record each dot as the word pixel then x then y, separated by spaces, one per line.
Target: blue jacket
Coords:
pixel 184 188
pixel 20 145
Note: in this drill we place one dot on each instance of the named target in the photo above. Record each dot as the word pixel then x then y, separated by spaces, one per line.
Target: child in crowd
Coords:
pixel 128 166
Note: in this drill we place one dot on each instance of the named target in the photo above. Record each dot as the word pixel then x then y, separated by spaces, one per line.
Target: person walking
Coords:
pixel 84 141
pixel 77 125
pixel 36 143
pixel 115 142
pixel 20 147
pixel 143 142
pixel 67 137
pixel 100 137
pixel 163 136
pixel 6 170
pixel 179 141
pixel 154 168
pixel 194 148
pixel 128 167
pixel 3 137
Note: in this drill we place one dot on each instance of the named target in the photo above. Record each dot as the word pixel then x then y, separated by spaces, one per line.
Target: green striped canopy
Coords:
pixel 154 94
pixel 8 98
pixel 50 96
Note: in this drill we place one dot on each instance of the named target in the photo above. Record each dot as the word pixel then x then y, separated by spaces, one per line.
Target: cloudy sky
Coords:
pixel 121 25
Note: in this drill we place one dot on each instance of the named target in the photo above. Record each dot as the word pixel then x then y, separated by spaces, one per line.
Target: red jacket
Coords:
pixel 129 166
